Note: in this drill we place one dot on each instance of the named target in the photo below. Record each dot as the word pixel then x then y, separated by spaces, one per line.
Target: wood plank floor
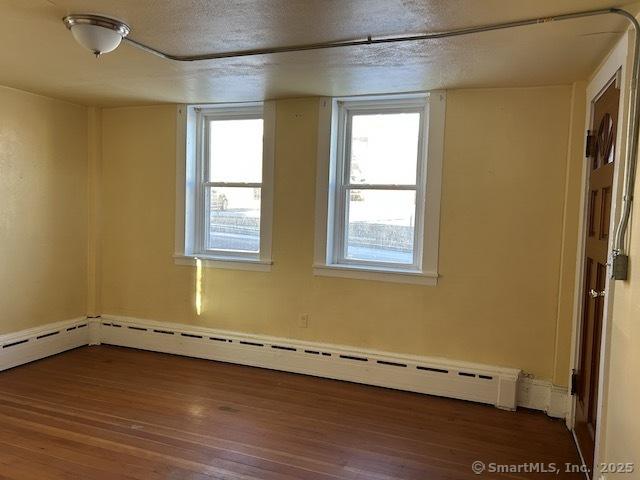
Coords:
pixel 114 413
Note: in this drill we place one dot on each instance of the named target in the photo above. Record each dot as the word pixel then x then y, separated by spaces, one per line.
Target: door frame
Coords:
pixel 615 64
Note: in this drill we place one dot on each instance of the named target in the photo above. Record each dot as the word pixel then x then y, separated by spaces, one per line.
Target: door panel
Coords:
pixel 601 161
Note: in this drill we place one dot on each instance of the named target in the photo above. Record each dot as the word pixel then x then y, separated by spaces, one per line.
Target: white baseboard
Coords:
pixel 433 376
pixel 543 395
pixel 502 387
pixel 43 341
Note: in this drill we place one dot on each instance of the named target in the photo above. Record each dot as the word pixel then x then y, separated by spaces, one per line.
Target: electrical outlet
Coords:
pixel 303 322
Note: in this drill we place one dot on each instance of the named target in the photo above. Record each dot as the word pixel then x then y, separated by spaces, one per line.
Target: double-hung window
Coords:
pixel 228 185
pixel 379 187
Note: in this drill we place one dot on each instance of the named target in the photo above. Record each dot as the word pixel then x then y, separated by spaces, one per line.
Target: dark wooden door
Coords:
pixel 601 154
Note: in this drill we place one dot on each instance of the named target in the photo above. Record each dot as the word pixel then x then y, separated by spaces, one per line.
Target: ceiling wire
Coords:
pixel 620 256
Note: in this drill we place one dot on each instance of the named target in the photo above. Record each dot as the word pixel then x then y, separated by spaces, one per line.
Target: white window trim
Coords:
pixel 326 183
pixel 187 189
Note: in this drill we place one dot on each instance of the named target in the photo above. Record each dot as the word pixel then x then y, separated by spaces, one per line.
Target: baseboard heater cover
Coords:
pixel 434 376
pixel 502 387
pixel 35 343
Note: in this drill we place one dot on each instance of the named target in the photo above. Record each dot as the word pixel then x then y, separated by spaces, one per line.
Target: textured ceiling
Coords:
pixel 38 54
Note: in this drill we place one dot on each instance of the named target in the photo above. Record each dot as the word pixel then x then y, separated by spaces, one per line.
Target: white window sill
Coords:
pixel 228 263
pixel 376 274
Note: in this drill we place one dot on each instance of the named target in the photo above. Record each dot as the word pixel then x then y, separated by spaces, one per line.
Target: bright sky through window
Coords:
pixel 384 148
pixel 235 148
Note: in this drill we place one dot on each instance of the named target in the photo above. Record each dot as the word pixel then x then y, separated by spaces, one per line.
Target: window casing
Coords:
pixel 380 219
pixel 227 185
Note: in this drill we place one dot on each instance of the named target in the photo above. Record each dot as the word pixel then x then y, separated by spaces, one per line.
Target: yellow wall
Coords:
pixel 570 234
pixel 502 220
pixel 94 173
pixel 43 210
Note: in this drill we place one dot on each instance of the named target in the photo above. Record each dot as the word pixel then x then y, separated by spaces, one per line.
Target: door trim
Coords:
pixel 615 64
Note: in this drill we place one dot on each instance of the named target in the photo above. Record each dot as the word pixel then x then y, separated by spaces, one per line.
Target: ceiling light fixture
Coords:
pixel 96 33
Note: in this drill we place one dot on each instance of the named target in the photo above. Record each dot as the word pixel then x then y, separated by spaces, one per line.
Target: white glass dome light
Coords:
pixel 96 33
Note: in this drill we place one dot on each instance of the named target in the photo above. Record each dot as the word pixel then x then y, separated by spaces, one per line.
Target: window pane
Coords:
pixel 234 219
pixel 380 225
pixel 384 148
pixel 235 150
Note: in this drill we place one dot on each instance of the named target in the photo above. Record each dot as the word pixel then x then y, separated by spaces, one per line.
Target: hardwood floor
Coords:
pixel 114 413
